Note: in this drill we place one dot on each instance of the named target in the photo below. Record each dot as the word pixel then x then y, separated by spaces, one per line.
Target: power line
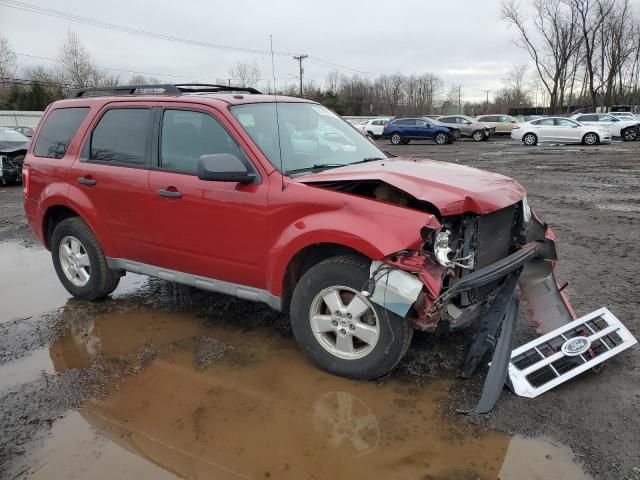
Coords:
pixel 27 7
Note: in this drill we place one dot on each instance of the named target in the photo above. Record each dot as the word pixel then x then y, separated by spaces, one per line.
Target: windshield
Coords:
pixel 311 136
pixel 9 135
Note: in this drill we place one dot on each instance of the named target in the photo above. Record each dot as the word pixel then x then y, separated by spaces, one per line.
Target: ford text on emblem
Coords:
pixel 576 346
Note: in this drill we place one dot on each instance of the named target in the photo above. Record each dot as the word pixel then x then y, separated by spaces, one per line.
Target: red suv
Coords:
pixel 278 200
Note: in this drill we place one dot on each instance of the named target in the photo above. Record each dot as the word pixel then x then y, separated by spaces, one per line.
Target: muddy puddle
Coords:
pixel 198 401
pixel 29 284
pixel 186 396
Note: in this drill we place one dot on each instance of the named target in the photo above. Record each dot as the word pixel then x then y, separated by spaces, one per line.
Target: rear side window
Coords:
pixel 58 130
pixel 121 137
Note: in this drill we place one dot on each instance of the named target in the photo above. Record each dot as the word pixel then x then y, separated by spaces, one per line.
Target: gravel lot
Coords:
pixel 50 390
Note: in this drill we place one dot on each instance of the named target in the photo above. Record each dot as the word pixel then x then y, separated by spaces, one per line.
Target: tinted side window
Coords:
pixel 58 131
pixel 447 119
pixel 121 137
pixel 187 135
pixel 588 118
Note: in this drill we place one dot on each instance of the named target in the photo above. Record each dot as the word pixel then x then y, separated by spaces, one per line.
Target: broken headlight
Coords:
pixel 446 256
pixel 526 211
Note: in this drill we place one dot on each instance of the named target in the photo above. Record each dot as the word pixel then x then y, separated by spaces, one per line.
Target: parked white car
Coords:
pixel 627 129
pixel 373 128
pixel 625 116
pixel 559 130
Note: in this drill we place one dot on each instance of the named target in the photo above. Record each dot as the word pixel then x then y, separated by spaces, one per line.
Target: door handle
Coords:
pixel 87 180
pixel 169 193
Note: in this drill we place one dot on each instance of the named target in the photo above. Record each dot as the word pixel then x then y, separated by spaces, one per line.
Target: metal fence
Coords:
pixel 19 118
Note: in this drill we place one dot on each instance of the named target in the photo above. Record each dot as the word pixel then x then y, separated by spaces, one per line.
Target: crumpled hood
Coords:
pixel 9 147
pixel 453 189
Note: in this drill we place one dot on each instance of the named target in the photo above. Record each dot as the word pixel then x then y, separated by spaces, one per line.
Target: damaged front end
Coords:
pixel 467 273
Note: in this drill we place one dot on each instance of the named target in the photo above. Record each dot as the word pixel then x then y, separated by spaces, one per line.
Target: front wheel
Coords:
pixel 396 139
pixel 80 262
pixel 478 136
pixel 590 138
pixel 339 329
pixel 441 138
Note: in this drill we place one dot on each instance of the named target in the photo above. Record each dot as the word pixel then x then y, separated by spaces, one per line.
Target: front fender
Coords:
pixel 375 229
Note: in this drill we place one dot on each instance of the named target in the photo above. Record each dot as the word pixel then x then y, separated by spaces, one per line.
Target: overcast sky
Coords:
pixel 463 41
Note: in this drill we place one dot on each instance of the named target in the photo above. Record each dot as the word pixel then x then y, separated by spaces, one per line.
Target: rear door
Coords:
pixel 567 130
pixel 207 228
pixel 109 181
pixel 544 129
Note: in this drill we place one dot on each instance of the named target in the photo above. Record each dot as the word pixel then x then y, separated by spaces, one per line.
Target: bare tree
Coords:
pixel 333 81
pixel 76 62
pixel 7 61
pixel 142 80
pixel 245 74
pixel 555 41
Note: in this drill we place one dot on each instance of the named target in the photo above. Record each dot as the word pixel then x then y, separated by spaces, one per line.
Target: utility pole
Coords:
pixel 459 99
pixel 300 58
pixel 487 108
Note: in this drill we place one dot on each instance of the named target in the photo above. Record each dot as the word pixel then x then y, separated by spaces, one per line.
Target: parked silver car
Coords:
pixel 468 126
pixel 559 130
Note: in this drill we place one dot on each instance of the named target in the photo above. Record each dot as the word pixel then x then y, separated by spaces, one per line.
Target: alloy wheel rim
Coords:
pixel 529 140
pixel 344 322
pixel 395 139
pixel 440 138
pixel 590 139
pixel 74 260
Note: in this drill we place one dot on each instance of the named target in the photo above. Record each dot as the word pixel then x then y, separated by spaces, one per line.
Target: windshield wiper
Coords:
pixel 316 167
pixel 369 159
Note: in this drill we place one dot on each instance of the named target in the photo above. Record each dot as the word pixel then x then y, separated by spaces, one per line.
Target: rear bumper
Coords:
pixel 34 218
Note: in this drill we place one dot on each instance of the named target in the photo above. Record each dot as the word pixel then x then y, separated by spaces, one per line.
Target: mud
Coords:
pixel 163 381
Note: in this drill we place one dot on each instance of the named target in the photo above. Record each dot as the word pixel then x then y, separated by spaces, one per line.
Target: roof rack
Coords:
pixel 159 89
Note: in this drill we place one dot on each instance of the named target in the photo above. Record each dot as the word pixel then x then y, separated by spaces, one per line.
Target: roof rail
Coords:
pixel 158 89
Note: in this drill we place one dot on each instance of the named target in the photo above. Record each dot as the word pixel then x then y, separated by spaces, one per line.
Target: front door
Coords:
pixel 206 228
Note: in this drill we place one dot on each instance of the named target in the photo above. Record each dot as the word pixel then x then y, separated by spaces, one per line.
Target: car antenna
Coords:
pixel 275 99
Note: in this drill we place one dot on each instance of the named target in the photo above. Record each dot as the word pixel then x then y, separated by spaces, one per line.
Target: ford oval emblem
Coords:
pixel 576 346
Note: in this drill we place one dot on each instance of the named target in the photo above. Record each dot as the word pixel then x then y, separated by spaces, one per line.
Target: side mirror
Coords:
pixel 467 122
pixel 224 167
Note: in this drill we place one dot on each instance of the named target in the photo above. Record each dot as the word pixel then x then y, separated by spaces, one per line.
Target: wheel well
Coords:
pixel 53 217
pixel 303 261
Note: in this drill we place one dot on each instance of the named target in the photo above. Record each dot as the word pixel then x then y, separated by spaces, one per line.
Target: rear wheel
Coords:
pixel 590 138
pixel 478 136
pixel 371 135
pixel 530 139
pixel 396 139
pixel 80 262
pixel 405 141
pixel 339 329
pixel 629 134
pixel 441 138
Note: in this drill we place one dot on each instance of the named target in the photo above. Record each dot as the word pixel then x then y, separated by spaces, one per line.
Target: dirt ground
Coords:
pixel 164 381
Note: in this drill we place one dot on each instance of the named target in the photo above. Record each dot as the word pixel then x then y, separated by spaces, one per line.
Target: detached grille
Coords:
pixel 543 363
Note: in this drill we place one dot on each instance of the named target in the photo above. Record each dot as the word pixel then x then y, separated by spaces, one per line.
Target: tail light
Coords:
pixel 516 127
pixel 26 180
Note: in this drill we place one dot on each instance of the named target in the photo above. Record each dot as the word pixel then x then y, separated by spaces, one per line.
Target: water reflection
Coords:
pixel 255 409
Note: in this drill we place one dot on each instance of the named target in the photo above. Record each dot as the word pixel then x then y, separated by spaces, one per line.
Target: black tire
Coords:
pixel 371 135
pixel 396 139
pixel 530 139
pixel 102 280
pixel 441 138
pixel 405 141
pixel 629 134
pixel 395 333
pixel 590 138
pixel 478 136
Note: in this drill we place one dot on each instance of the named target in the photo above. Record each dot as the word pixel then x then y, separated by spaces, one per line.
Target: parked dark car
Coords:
pixel 402 130
pixel 13 148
